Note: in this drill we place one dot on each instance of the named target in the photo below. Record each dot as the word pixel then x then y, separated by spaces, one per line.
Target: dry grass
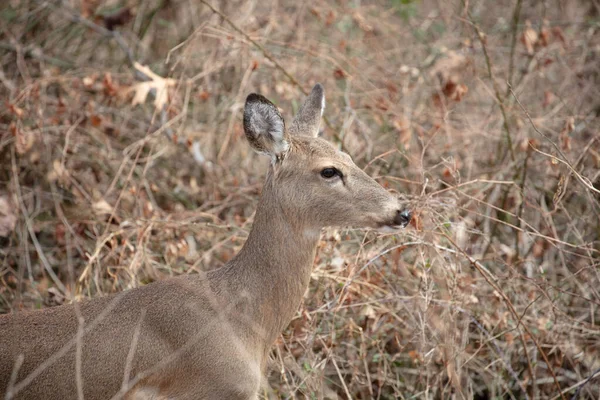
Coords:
pixel 492 293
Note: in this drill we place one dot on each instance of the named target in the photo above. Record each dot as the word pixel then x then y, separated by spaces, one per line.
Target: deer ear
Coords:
pixel 309 117
pixel 264 127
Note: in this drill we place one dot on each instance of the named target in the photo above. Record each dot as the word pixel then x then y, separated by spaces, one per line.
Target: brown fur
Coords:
pixel 203 336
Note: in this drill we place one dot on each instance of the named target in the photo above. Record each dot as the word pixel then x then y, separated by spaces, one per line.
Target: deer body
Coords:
pixel 204 336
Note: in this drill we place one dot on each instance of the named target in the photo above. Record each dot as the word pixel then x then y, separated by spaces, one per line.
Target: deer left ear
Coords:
pixel 264 127
pixel 308 119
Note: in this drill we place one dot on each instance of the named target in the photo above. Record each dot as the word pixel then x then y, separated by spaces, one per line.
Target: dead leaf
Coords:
pixel 55 297
pixel 101 207
pixel 529 38
pixel 362 22
pixel 23 139
pixel 58 173
pixel 118 18
pixel 549 98
pixel 204 95
pixel 110 88
pixel 88 81
pixel 88 7
pixel 558 33
pixel 415 356
pixel 158 83
pixel 528 144
pixel 453 90
pixel 368 312
pixel 339 74
pixel 565 138
pixel 8 219
pixel 330 18
pixel 402 125
pixel 544 39
pixel 16 110
pixel 96 120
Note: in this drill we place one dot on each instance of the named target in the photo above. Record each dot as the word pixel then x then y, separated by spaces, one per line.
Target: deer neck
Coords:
pixel 275 263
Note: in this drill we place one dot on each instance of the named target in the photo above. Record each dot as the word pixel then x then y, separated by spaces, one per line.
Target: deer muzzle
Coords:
pixel 402 218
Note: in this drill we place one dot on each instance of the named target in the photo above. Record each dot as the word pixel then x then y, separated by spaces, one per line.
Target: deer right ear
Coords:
pixel 264 127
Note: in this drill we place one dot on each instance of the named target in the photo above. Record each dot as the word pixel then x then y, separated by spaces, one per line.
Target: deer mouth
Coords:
pixel 401 220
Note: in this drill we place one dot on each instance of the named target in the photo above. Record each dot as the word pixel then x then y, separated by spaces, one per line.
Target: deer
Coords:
pixel 206 335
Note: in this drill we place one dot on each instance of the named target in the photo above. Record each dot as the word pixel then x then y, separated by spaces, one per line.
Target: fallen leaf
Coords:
pixel 118 18
pixel 339 74
pixel 415 356
pixel 529 38
pixel 330 18
pixel 58 173
pixel 101 207
pixel 549 98
pixel 88 7
pixel 362 22
pixel 96 120
pixel 204 95
pixel 110 88
pixel 8 219
pixel 17 111
pixel 558 33
pixel 156 82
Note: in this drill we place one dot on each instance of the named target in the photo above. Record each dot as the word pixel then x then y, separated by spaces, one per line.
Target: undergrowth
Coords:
pixel 123 161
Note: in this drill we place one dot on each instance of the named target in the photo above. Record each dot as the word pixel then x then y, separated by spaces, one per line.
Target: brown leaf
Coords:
pixel 15 110
pixel 101 207
pixel 528 144
pixel 110 88
pixel 382 104
pixel 565 138
pixel 58 173
pixel 204 95
pixel 23 140
pixel 544 40
pixel 158 83
pixel 529 38
pixel 415 356
pixel 402 125
pixel 118 18
pixel 88 7
pixel 330 18
pixel 339 74
pixel 539 248
pixel 453 90
pixel 362 22
pixel 55 297
pixel 549 98
pixel 88 81
pixel 96 120
pixel 8 219
pixel 558 33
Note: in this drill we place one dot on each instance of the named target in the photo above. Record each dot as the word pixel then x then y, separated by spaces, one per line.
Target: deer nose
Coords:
pixel 403 218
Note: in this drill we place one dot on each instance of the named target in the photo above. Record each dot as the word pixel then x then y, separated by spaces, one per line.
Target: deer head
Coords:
pixel 314 184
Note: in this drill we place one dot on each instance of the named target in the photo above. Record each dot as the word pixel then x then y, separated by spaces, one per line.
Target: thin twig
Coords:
pixel 513 43
pixel 563 158
pixel 276 63
pixel 26 216
pixel 499 99
pixel 512 310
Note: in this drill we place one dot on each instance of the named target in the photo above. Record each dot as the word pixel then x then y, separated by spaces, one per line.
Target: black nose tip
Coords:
pixel 403 218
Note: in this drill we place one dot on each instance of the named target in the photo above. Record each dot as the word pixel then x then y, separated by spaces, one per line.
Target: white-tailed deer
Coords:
pixel 205 336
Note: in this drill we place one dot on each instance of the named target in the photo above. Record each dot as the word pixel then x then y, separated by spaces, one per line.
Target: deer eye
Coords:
pixel 329 173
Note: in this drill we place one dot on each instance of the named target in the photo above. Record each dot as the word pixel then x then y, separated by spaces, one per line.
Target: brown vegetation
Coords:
pixel 122 161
